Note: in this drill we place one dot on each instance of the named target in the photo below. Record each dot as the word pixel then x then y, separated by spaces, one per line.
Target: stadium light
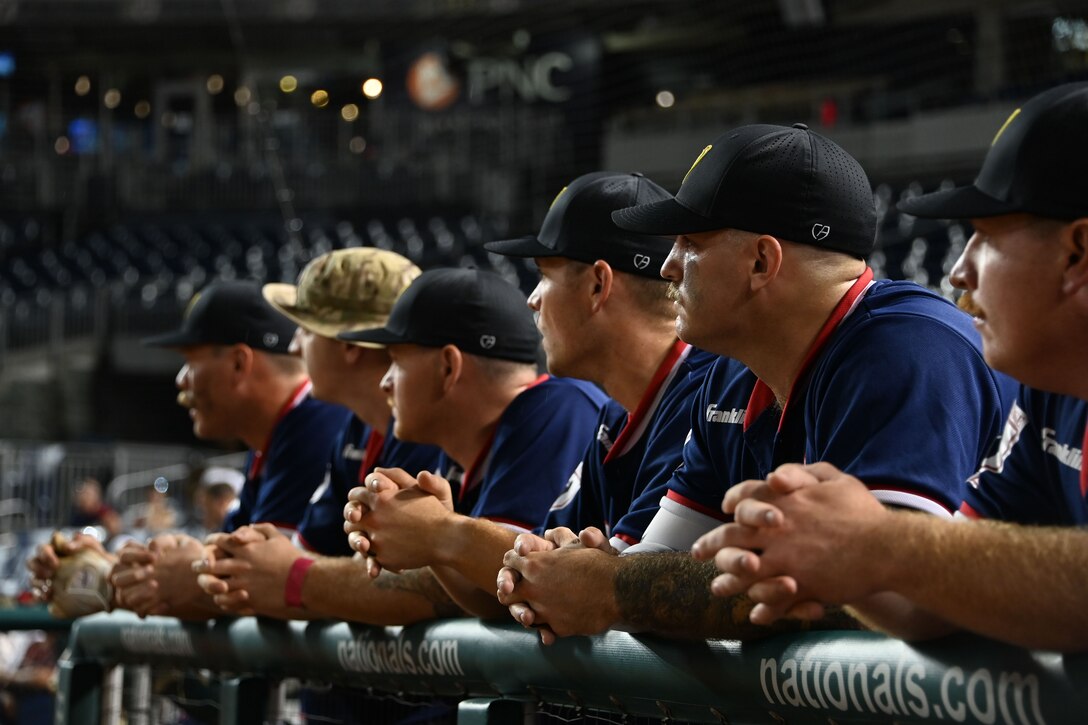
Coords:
pixel 372 88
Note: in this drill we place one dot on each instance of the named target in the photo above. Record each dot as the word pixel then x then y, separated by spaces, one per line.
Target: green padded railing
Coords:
pixel 500 669
pixel 36 617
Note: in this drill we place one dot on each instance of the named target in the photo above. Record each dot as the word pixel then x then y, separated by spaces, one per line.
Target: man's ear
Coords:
pixel 766 260
pixel 241 360
pixel 450 366
pixel 351 353
pixel 602 277
pixel 1074 240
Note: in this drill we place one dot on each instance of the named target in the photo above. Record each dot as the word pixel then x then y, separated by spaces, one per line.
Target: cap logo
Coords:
pixel 642 261
pixel 561 192
pixel 696 163
pixel 820 231
pixel 271 339
pixel 487 341
pixel 1005 125
pixel 192 303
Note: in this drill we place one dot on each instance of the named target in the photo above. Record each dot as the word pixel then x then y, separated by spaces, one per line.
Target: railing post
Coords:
pixel 112 694
pixel 138 695
pixel 488 711
pixel 79 693
pixel 243 700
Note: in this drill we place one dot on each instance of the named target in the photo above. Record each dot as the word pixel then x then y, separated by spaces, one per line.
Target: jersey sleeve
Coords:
pixel 542 438
pixel 322 527
pixel 297 464
pixel 907 405
pixel 1018 481
pixel 663 457
pixel 581 503
pixel 713 459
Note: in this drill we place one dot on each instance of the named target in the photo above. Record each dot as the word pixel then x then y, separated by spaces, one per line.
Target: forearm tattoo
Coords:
pixel 669 594
pixel 423 583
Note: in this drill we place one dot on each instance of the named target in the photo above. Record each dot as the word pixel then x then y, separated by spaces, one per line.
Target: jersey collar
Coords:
pixel 762 395
pixel 256 466
pixel 639 421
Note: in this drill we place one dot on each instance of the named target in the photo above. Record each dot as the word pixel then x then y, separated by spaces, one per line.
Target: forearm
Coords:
pixel 669 594
pixel 475 549
pixel 894 614
pixel 340 588
pixel 1028 579
pixel 467 595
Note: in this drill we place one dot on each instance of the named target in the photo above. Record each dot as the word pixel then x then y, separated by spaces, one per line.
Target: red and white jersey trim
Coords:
pixel 639 420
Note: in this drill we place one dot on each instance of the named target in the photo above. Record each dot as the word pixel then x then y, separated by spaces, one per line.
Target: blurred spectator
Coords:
pixel 28 667
pixel 90 510
pixel 157 514
pixel 216 496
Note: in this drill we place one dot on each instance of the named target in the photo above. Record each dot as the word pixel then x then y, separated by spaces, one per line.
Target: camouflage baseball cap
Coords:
pixel 346 289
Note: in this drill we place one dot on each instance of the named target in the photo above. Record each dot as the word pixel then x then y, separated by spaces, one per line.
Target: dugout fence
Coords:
pixel 501 674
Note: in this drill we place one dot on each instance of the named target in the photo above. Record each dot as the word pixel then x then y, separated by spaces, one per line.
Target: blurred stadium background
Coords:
pixel 148 146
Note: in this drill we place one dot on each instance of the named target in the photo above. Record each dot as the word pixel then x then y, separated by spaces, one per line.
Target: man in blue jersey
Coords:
pixel 344 290
pixel 238 383
pixel 605 317
pixel 347 289
pixel 463 377
pixel 772 225
pixel 1026 269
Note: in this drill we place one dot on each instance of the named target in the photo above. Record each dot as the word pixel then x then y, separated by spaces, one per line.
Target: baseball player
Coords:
pixel 605 317
pixel 1026 268
pixel 463 377
pixel 883 378
pixel 238 382
pixel 348 289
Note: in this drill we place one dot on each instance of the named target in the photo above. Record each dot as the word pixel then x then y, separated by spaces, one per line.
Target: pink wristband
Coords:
pixel 292 590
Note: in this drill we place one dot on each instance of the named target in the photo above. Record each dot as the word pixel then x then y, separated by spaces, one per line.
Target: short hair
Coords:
pixel 651 295
pixel 285 364
pixel 500 370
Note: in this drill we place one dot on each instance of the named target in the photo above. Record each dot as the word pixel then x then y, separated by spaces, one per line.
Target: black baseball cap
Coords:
pixel 1034 165
pixel 479 312
pixel 227 313
pixel 786 181
pixel 579 225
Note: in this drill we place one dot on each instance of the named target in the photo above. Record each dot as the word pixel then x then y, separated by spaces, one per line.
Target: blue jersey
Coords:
pixel 619 485
pixel 895 391
pixel 358 451
pixel 281 478
pixel 1037 474
pixel 540 439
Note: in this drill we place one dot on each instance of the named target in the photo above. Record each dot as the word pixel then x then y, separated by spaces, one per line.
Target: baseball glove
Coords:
pixel 81 584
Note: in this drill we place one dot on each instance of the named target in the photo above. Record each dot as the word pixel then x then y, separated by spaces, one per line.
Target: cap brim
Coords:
pixel 667 218
pixel 284 297
pixel 524 247
pixel 965 202
pixel 378 337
